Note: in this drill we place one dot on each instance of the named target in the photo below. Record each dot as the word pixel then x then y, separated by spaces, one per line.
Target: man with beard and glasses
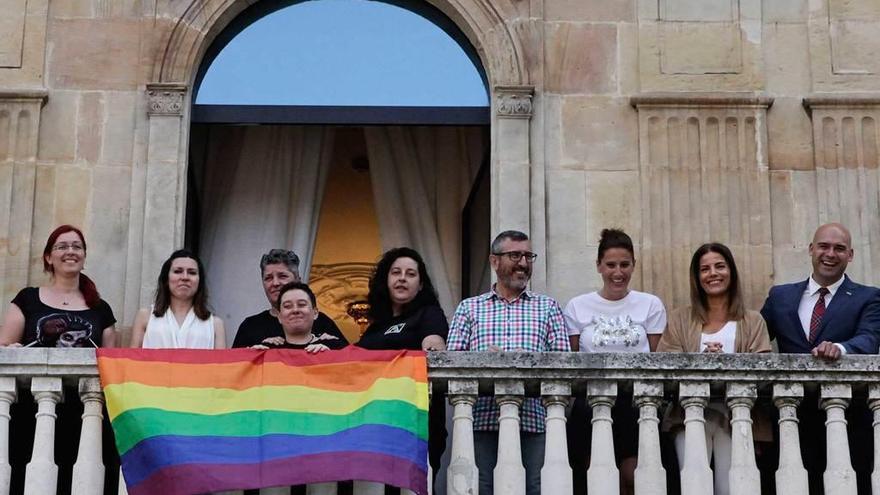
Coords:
pixel 509 318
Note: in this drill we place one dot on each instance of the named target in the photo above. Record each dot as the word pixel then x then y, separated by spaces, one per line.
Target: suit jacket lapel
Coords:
pixel 838 304
pixel 793 302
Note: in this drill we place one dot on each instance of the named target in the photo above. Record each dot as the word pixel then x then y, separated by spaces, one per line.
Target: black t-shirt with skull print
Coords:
pixel 45 326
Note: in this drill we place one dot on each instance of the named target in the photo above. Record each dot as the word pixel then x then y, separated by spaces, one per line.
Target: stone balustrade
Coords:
pixel 52 376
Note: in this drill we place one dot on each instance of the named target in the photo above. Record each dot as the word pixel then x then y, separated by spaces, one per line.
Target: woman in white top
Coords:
pixel 616 319
pixel 179 317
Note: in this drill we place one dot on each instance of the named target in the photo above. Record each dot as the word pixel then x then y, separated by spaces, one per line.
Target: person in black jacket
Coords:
pixel 279 267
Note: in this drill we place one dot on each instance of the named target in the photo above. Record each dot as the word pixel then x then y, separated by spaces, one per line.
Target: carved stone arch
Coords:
pixel 490 26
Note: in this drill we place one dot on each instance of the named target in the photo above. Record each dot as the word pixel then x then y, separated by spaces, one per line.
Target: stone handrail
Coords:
pixel 689 379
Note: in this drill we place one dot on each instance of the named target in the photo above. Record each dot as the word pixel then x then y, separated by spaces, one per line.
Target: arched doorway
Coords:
pixel 516 183
pixel 311 176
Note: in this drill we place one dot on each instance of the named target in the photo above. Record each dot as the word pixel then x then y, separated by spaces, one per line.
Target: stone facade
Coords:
pixel 682 121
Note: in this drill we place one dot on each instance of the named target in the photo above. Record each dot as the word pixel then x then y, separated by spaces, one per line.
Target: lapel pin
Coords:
pixel 848 293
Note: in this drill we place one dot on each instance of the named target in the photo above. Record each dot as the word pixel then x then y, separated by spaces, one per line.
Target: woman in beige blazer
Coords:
pixel 715 322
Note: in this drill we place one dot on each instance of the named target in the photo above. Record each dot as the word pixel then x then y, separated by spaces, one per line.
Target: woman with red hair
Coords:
pixel 68 311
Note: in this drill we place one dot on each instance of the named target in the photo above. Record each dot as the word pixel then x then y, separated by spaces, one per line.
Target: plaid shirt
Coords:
pixel 531 322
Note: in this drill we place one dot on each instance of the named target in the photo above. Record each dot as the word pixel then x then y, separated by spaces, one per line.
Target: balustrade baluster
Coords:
pixel 839 477
pixel 8 395
pixel 650 477
pixel 874 402
pixel 41 474
pixel 368 488
pixel 556 477
pixel 276 490
pixel 744 477
pixel 791 477
pixel 696 477
pixel 88 471
pixel 321 489
pixel 602 476
pixel 509 476
pixel 123 488
pixel 462 477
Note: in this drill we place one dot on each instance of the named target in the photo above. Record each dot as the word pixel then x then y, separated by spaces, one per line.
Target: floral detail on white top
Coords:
pixel 616 331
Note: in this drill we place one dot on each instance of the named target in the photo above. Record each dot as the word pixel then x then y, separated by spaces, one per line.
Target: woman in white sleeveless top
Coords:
pixel 179 317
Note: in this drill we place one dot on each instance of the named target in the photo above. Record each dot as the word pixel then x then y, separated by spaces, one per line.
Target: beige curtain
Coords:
pixel 421 178
pixel 262 189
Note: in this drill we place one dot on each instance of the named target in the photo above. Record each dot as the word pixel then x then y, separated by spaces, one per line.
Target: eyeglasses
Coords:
pixel 63 246
pixel 515 256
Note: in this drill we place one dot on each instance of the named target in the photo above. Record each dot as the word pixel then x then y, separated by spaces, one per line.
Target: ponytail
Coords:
pixel 89 291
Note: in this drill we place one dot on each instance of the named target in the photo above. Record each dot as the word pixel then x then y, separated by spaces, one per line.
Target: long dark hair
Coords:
pixel 163 293
pixel 86 286
pixel 379 297
pixel 736 307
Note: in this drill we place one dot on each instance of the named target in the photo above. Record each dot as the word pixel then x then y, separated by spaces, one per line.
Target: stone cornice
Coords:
pixel 842 100
pixel 514 101
pixel 701 100
pixel 166 98
pixel 24 95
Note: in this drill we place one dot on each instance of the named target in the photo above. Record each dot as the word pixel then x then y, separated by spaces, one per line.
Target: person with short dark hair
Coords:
pixel 69 311
pixel 613 319
pixel 509 318
pixel 297 311
pixel 277 268
pixel 179 317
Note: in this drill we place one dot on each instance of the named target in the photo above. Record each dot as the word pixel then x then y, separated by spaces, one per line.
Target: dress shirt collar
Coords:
pixel 813 286
pixel 525 295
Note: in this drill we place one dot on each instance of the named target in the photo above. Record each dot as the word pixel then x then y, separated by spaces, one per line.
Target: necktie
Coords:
pixel 818 312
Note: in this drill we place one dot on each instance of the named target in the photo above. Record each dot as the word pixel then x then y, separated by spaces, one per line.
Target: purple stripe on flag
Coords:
pixel 187 479
pixel 164 451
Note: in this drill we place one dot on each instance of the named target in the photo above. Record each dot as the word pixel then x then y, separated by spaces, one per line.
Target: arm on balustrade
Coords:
pixel 219 333
pixel 139 328
pixel 460 329
pixel 866 338
pixel 557 335
pixel 673 339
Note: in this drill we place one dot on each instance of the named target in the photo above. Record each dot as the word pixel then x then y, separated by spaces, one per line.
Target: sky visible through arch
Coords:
pixel 343 52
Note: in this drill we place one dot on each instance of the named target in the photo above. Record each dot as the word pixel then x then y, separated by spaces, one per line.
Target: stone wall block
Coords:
pixel 613 200
pixel 843 42
pixel 581 58
pixel 89 126
pixel 790 135
pixel 570 260
pixel 117 133
pixel 73 186
pixel 704 177
pixel 78 46
pixel 22 43
pixel 787 53
pixel 108 232
pixel 590 10
pixel 11 32
pixel 599 134
pixel 784 11
pixel 627 58
pixel 57 141
pixel 44 220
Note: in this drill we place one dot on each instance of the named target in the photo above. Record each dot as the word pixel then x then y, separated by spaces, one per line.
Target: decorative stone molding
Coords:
pixel 700 154
pixel 514 101
pixel 165 99
pixel 847 159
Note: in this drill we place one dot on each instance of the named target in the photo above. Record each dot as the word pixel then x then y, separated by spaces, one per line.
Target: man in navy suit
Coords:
pixel 828 314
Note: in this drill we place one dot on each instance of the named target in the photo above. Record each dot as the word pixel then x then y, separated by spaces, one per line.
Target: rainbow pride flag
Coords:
pixel 198 421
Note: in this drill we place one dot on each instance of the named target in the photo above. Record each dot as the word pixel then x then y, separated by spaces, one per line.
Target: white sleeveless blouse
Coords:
pixel 164 332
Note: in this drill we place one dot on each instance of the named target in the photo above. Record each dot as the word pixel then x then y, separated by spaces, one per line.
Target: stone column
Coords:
pixel 8 395
pixel 509 475
pixel 874 403
pixel 602 476
pixel 19 132
pixel 462 477
pixel 650 477
pixel 791 477
pixel 839 477
pixel 745 479
pixel 88 471
pixel 556 475
pixel 41 474
pixel 511 159
pixel 696 477
pixel 321 489
pixel 165 193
